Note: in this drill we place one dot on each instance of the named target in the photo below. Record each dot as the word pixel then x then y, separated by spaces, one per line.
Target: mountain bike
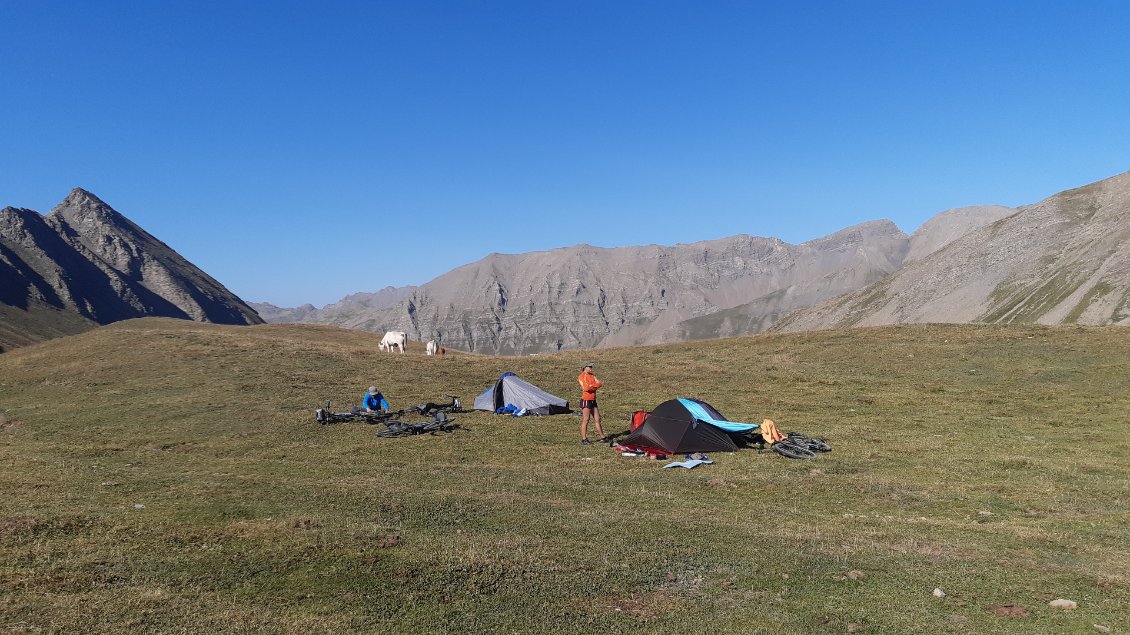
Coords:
pixel 326 416
pixel 454 406
pixel 799 446
pixel 439 422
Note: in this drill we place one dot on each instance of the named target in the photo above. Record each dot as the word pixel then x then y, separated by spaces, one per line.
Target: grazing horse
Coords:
pixel 394 338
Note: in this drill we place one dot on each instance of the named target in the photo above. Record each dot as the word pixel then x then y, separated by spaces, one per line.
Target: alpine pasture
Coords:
pixel 167 476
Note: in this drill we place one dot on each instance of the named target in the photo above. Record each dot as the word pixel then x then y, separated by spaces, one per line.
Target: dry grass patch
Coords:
pixel 12 525
pixel 257 520
pixel 646 607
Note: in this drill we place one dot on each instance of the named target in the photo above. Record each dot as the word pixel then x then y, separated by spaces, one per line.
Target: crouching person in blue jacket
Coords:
pixel 374 401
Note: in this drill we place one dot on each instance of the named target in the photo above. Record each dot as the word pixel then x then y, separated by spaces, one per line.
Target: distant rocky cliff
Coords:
pixel 583 296
pixel 347 306
pixel 1064 260
pixel 85 264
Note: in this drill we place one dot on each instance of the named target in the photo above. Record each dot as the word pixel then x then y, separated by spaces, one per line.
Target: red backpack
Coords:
pixel 638 417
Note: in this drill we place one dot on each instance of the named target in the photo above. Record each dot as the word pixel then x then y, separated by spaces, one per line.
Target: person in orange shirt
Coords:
pixel 589 385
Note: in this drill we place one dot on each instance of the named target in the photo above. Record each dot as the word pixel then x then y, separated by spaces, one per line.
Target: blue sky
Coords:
pixel 301 151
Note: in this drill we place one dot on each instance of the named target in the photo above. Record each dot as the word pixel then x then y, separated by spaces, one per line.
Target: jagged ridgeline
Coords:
pixel 1063 260
pixel 85 264
pixel 584 296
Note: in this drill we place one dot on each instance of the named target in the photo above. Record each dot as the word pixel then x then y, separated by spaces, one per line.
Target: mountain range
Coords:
pixel 1063 260
pixel 85 264
pixel 584 296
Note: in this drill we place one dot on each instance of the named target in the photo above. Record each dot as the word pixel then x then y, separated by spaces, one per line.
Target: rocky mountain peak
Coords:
pixel 84 212
pixel 86 259
pixel 857 235
pixel 79 196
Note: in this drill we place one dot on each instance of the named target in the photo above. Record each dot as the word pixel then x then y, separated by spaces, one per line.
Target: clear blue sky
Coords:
pixel 301 151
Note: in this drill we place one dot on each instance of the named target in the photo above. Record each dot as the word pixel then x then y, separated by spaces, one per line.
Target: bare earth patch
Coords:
pixel 646 607
pixel 7 422
pixel 384 541
pixel 1007 610
pixel 10 525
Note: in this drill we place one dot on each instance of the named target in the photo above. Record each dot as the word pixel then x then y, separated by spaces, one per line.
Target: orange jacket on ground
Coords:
pixel 769 431
pixel 589 384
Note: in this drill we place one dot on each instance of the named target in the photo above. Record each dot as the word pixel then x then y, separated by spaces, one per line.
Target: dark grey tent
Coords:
pixel 512 390
pixel 687 425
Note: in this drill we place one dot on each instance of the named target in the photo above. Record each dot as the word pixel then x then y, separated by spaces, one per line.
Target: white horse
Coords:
pixel 394 338
pixel 432 347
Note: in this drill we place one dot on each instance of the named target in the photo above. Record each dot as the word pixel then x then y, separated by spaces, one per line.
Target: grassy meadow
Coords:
pixel 168 477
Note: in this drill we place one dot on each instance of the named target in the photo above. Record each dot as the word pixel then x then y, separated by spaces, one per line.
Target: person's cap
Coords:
pixel 372 390
pixel 587 365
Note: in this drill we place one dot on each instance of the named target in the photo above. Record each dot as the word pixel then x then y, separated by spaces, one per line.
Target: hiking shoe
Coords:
pixel 585 442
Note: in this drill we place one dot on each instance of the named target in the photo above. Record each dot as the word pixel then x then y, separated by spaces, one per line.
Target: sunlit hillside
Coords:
pixel 167 476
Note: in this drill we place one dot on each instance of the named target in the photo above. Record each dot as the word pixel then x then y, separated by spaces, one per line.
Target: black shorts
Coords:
pixel 588 403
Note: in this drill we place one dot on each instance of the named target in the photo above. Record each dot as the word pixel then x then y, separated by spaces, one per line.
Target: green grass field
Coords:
pixel 167 477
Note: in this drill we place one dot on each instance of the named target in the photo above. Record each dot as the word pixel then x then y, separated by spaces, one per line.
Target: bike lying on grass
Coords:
pixel 437 422
pixel 326 416
pixel 799 446
pixel 454 406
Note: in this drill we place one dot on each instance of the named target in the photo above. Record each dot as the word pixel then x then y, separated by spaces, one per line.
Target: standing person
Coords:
pixel 374 401
pixel 589 385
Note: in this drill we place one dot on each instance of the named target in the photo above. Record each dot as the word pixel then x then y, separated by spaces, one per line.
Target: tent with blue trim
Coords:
pixel 514 394
pixel 688 425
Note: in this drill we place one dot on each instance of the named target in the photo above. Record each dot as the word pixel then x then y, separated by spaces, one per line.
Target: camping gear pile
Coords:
pixel 681 426
pixel 436 419
pixel 508 395
pixel 435 415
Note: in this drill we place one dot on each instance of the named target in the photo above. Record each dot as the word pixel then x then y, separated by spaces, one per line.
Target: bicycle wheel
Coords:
pixel 807 442
pixel 819 445
pixel 790 450
pixel 394 429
